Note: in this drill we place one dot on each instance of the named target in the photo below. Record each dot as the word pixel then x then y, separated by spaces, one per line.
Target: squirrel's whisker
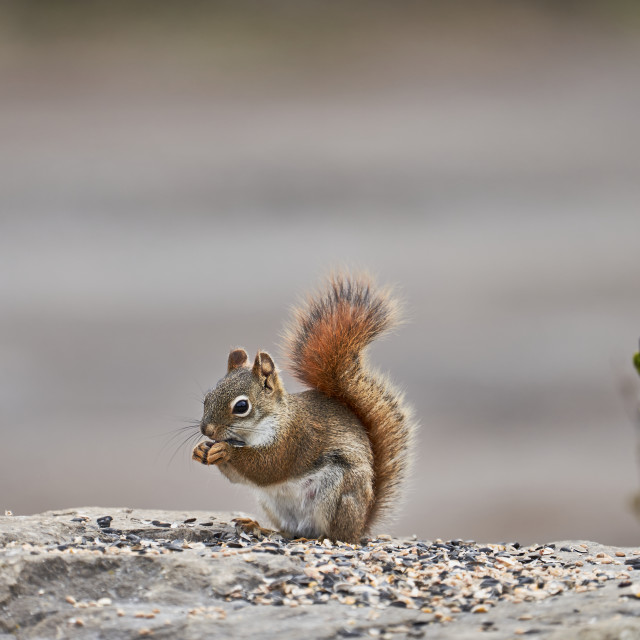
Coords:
pixel 191 438
pixel 171 442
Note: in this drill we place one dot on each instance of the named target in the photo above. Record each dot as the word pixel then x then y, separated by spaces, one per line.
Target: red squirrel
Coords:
pixel 329 461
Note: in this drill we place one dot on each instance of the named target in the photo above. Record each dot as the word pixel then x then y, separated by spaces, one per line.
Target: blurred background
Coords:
pixel 173 176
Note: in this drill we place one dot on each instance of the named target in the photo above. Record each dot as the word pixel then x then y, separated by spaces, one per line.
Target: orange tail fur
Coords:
pixel 325 346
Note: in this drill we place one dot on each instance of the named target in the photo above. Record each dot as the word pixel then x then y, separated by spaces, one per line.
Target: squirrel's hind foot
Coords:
pixel 251 527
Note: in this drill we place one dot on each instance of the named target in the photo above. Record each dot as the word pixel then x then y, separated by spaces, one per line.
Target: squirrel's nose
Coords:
pixel 207 430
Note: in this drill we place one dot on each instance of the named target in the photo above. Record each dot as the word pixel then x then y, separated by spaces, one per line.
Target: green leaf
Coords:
pixel 636 362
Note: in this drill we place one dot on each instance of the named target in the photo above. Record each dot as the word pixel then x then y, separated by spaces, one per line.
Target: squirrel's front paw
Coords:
pixel 211 452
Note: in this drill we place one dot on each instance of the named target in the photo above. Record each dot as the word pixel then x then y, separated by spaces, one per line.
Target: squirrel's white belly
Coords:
pixel 299 506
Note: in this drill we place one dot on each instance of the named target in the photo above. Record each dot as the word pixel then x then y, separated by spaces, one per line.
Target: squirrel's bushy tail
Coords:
pixel 325 344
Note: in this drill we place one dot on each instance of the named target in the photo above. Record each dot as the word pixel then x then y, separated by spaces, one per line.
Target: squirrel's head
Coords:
pixel 244 406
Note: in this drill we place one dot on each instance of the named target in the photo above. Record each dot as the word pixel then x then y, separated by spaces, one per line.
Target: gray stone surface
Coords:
pixel 109 592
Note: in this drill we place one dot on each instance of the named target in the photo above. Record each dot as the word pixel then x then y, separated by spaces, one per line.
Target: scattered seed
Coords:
pixel 441 579
pixel 479 608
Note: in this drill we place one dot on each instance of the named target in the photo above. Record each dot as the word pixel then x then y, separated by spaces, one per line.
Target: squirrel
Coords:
pixel 330 461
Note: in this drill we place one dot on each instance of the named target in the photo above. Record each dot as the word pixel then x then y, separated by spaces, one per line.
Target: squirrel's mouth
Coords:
pixel 236 442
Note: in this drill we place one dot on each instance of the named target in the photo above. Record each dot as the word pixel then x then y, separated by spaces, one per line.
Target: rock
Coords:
pixel 114 573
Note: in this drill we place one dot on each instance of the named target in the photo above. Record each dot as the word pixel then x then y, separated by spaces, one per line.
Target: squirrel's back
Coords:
pixel 325 346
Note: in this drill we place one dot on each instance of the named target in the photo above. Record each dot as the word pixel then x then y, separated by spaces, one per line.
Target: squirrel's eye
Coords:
pixel 241 406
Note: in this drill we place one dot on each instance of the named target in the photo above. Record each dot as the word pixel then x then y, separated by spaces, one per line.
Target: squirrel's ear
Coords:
pixel 265 370
pixel 237 358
